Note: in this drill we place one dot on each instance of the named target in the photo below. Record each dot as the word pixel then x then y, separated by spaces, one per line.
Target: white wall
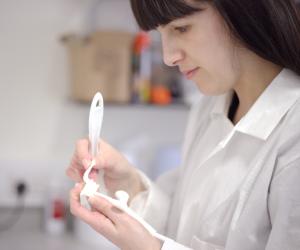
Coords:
pixel 39 124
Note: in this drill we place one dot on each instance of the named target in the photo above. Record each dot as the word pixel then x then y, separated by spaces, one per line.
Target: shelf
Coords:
pixel 147 106
pixel 176 105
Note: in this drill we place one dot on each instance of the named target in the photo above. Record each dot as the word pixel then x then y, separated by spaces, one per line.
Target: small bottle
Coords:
pixel 141 68
pixel 55 209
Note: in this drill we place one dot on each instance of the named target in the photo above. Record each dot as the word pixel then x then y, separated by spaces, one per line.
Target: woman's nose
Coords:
pixel 172 55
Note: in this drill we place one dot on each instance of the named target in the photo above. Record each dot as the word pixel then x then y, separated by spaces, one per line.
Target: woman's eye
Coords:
pixel 182 29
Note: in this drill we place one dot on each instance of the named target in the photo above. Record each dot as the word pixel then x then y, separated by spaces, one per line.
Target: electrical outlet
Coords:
pixel 31 178
pixel 21 188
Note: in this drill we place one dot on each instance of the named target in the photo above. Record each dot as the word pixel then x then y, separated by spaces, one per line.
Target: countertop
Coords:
pixel 29 234
pixel 39 240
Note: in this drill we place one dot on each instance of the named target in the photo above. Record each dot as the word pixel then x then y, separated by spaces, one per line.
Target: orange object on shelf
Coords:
pixel 160 95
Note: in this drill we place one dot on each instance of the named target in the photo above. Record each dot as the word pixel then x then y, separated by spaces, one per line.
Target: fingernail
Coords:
pixel 77 185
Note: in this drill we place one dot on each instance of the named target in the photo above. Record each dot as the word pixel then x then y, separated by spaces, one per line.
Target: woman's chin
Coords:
pixel 208 90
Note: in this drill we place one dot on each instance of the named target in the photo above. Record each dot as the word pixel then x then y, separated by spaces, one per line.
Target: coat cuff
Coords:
pixel 152 205
pixel 170 244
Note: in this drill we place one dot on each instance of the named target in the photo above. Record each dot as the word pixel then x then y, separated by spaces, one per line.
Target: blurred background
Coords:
pixel 54 56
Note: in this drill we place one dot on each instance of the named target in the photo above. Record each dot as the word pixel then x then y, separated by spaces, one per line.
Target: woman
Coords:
pixel 238 186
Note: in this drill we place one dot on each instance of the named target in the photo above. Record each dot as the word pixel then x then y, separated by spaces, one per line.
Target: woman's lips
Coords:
pixel 190 73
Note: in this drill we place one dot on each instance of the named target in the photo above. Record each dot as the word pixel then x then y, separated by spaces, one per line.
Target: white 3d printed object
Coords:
pixel 91 188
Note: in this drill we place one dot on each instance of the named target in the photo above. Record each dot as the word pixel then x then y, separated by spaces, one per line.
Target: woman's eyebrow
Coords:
pixel 182 20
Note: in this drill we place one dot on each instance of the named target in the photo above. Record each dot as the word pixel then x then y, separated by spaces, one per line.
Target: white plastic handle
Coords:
pixel 95 122
pixel 95 125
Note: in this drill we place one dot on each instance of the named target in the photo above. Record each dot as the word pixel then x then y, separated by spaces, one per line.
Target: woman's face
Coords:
pixel 200 45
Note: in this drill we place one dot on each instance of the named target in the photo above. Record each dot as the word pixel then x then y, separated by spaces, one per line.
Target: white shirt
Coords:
pixel 238 186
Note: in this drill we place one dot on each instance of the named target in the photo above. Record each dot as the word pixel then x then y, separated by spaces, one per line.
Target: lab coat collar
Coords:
pixel 269 108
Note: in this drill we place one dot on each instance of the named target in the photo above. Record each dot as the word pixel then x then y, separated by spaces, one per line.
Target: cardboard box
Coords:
pixel 100 62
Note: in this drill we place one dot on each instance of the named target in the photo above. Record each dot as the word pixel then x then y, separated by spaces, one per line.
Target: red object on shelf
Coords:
pixel 141 41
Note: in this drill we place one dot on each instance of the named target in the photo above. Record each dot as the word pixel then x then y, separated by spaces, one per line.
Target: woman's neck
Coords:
pixel 254 80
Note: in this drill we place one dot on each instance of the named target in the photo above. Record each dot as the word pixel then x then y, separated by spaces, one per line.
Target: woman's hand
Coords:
pixel 119 174
pixel 115 225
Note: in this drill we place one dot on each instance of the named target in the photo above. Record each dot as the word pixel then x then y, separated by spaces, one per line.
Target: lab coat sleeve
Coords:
pixel 170 244
pixel 154 203
pixel 284 207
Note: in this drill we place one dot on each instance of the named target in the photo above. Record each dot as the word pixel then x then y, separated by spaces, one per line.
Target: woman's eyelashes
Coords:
pixel 182 29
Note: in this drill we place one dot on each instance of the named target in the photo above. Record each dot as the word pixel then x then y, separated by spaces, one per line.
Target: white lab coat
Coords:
pixel 239 186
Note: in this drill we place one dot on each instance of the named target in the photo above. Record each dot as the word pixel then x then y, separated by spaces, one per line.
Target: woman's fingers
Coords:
pixel 82 149
pixel 77 165
pixel 75 195
pixel 73 174
pixel 105 208
pixel 82 153
pixel 112 223
pixel 95 219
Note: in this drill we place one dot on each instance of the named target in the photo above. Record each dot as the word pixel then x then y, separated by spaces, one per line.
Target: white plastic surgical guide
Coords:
pixel 92 188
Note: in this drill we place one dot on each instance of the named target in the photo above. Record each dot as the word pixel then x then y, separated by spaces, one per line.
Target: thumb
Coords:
pixel 99 162
pixel 86 163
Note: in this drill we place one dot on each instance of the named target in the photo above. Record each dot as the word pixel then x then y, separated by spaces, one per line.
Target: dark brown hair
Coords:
pixel 270 28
